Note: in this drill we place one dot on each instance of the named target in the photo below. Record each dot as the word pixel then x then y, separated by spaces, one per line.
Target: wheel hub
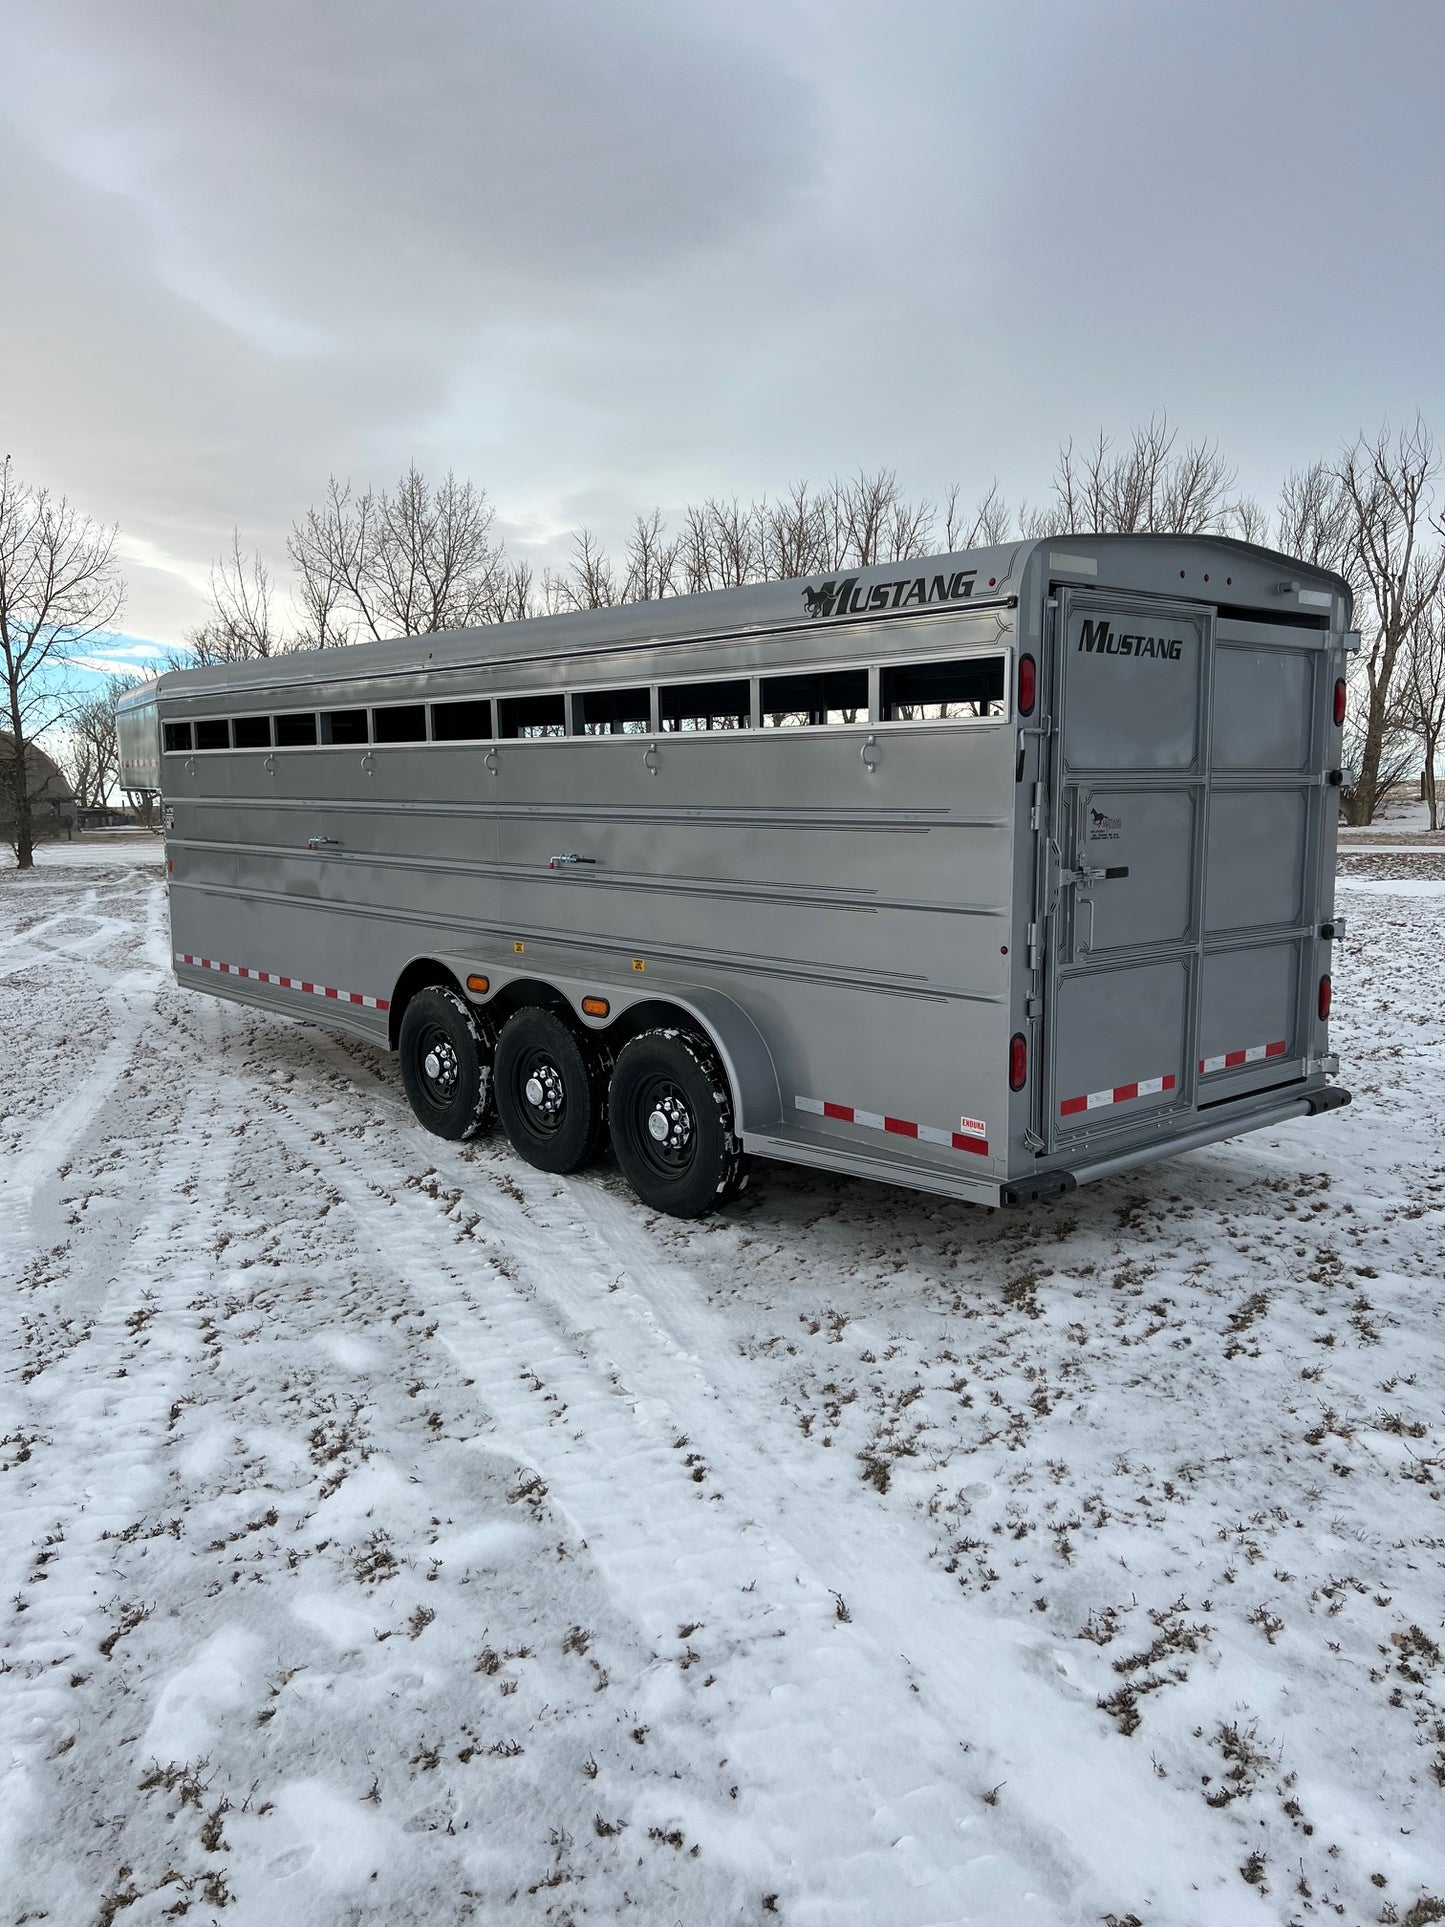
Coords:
pixel 543 1090
pixel 669 1124
pixel 441 1065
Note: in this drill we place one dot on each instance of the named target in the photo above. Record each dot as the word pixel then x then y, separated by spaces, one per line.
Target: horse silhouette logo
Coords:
pixel 819 602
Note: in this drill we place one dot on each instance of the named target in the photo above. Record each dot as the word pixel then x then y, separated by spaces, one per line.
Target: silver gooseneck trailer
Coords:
pixel 987 873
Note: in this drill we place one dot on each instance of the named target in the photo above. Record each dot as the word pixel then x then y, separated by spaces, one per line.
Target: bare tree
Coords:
pixel 651 560
pixel 241 623
pixel 989 524
pixel 60 589
pixel 404 562
pixel 1387 483
pixel 91 758
pixel 1151 485
pixel 588 582
pixel 1423 695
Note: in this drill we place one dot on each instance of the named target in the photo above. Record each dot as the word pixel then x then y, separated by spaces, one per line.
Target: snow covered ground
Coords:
pixel 390 1533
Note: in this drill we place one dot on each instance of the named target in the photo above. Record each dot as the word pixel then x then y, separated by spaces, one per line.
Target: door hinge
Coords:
pixel 1035 948
pixel 1033 1006
pixel 1036 813
pixel 1033 1142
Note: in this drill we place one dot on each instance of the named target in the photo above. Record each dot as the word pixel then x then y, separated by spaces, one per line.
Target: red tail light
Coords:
pixel 1018 1061
pixel 1326 997
pixel 1028 685
pixel 1339 702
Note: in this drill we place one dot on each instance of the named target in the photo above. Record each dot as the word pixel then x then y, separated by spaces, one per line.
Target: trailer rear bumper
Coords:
pixel 1229 1123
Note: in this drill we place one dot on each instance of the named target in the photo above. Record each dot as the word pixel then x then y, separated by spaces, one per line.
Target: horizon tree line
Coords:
pixel 367 564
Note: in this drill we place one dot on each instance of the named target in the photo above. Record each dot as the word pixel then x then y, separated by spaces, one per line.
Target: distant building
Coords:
pixel 52 802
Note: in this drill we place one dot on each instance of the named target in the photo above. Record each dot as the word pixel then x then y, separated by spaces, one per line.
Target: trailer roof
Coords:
pixel 998 573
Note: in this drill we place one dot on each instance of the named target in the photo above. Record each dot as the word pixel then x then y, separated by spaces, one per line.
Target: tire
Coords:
pixel 672 1124
pixel 445 1047
pixel 551 1091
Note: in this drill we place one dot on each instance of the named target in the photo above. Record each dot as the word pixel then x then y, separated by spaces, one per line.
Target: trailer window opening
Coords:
pixel 523 718
pixel 177 736
pixel 705 705
pixel 464 722
pixel 405 723
pixel 213 733
pixel 296 731
pixel 812 699
pixel 251 732
pixel 613 712
pixel 941 692
pixel 344 726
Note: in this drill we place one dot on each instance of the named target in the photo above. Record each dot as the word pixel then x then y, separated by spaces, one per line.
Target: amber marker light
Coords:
pixel 479 984
pixel 595 1006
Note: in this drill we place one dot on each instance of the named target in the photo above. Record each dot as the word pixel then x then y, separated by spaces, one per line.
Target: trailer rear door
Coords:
pixel 1182 870
pixel 1126 862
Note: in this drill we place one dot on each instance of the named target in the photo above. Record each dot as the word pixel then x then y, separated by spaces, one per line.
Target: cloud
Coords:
pixel 600 257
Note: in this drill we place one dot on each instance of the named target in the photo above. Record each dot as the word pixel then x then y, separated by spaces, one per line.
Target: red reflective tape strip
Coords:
pixel 1233 1058
pixel 1117 1094
pixel 1275 1050
pixel 284 983
pixel 897 1126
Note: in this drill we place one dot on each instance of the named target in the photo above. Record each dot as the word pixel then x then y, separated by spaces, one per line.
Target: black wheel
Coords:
pixel 551 1091
pixel 445 1048
pixel 672 1124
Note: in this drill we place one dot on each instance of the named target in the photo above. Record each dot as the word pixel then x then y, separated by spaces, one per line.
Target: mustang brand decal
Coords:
pixel 1097 638
pixel 846 598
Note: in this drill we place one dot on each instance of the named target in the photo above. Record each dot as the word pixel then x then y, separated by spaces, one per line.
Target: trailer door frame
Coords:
pixel 1124 860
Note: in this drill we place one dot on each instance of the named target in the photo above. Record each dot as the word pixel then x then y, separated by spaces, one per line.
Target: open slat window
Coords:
pixel 612 712
pixel 251 732
pixel 468 722
pixel 814 698
pixel 213 733
pixel 177 736
pixel 405 723
pixel 344 726
pixel 522 718
pixel 295 732
pixel 705 705
pixel 941 692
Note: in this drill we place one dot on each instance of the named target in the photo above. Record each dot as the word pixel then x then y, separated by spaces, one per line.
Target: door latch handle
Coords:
pixel 1086 875
pixel 556 862
pixel 323 842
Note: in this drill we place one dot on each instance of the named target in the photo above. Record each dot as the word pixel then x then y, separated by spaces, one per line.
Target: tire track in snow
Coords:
pixel 912 1667
pixel 132 998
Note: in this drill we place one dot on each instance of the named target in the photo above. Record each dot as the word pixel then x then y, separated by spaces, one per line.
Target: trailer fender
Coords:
pixel 751 1073
pixel 746 1059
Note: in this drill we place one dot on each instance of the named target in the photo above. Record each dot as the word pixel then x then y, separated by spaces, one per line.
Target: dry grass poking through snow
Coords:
pixel 394 1534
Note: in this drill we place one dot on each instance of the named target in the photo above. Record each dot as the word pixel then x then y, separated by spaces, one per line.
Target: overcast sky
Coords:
pixel 601 256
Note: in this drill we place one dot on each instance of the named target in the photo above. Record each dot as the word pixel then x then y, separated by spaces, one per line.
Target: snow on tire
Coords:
pixel 446 1063
pixel 672 1123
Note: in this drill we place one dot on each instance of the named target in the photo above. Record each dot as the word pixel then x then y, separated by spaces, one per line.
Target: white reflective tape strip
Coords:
pixel 1149 1085
pixel 974 1139
pixel 1232 1059
pixel 1074 564
pixel 285 983
pixel 1316 598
